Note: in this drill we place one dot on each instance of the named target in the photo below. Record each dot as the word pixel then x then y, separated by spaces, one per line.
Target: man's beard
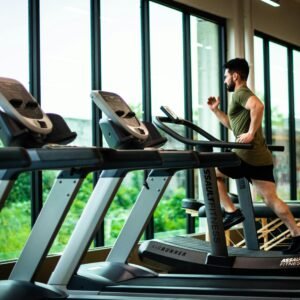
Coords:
pixel 231 86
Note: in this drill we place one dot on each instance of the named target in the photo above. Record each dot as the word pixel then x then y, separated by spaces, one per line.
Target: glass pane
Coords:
pixel 280 116
pixel 66 85
pixel 206 82
pixel 259 73
pixel 205 72
pixel 14 34
pixel 65 63
pixel 296 56
pixel 15 220
pixel 259 68
pixel 121 50
pixel 166 74
pixel 121 74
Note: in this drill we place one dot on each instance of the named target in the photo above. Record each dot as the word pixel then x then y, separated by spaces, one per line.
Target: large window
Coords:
pixel 280 116
pixel 205 49
pixel 259 68
pixel 141 52
pixel 14 35
pixel 296 77
pixel 167 89
pixel 65 63
pixel 205 72
pixel 66 85
pixel 121 74
pixel 276 76
pixel 15 216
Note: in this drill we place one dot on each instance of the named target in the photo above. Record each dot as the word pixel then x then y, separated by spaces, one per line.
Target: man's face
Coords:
pixel 228 80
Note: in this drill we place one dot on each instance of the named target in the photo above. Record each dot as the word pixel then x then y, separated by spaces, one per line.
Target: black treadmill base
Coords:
pixel 254 286
pixel 194 258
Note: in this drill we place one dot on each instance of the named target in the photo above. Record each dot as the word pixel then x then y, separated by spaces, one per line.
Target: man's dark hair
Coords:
pixel 238 65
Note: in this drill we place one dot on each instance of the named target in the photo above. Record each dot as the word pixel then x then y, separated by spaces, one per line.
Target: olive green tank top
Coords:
pixel 239 118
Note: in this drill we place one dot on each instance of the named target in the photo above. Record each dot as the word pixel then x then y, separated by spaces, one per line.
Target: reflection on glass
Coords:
pixel 296 57
pixel 206 82
pixel 167 89
pixel 280 116
pixel 15 220
pixel 121 74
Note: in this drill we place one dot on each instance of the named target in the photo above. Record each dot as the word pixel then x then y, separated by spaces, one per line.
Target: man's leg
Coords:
pixel 232 215
pixel 268 191
pixel 223 193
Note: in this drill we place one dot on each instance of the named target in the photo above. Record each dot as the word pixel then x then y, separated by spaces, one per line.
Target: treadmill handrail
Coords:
pixel 212 141
pixel 13 157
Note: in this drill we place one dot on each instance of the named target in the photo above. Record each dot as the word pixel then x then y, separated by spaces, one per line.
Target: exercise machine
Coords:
pixel 115 276
pixel 233 260
pixel 23 123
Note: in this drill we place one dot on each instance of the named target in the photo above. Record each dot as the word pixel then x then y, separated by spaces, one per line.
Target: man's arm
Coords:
pixel 256 108
pixel 213 104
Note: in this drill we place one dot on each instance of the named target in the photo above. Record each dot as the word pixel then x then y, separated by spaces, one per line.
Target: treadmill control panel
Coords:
pixel 22 107
pixel 116 109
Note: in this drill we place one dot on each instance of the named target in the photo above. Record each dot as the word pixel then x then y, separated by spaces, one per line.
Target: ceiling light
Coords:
pixel 274 3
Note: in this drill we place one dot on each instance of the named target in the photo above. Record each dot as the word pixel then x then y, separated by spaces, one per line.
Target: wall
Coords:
pixel 282 22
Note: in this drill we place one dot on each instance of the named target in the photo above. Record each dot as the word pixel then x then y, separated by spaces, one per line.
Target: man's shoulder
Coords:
pixel 242 94
pixel 243 89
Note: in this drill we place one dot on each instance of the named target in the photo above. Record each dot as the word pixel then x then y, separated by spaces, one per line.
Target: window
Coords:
pixel 280 116
pixel 259 70
pixel 167 89
pixel 121 74
pixel 15 216
pixel 66 85
pixel 296 72
pixel 14 31
pixel 276 75
pixel 205 81
pixel 205 72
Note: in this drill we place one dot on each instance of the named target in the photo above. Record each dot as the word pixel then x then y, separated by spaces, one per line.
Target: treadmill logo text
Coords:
pixel 290 262
pixel 210 199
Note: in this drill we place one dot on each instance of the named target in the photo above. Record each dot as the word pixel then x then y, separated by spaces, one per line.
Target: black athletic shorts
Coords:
pixel 250 172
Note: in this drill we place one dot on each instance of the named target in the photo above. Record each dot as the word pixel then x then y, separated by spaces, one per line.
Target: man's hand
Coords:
pixel 245 138
pixel 213 103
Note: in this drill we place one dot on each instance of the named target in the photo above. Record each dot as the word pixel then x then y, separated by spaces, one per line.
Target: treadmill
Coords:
pixel 115 276
pixel 234 260
pixel 23 123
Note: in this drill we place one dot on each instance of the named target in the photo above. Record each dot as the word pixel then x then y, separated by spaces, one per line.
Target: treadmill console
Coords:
pixel 24 124
pixel 116 109
pixel 169 113
pixel 22 107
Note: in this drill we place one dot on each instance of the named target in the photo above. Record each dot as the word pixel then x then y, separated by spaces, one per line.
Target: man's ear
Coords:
pixel 235 76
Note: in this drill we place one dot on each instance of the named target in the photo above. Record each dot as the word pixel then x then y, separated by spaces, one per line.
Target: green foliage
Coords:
pixel 277 117
pixel 14 229
pixel 169 215
pixel 20 191
pixel 15 216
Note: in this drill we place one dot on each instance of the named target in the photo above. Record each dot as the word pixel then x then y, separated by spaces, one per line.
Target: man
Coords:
pixel 244 118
